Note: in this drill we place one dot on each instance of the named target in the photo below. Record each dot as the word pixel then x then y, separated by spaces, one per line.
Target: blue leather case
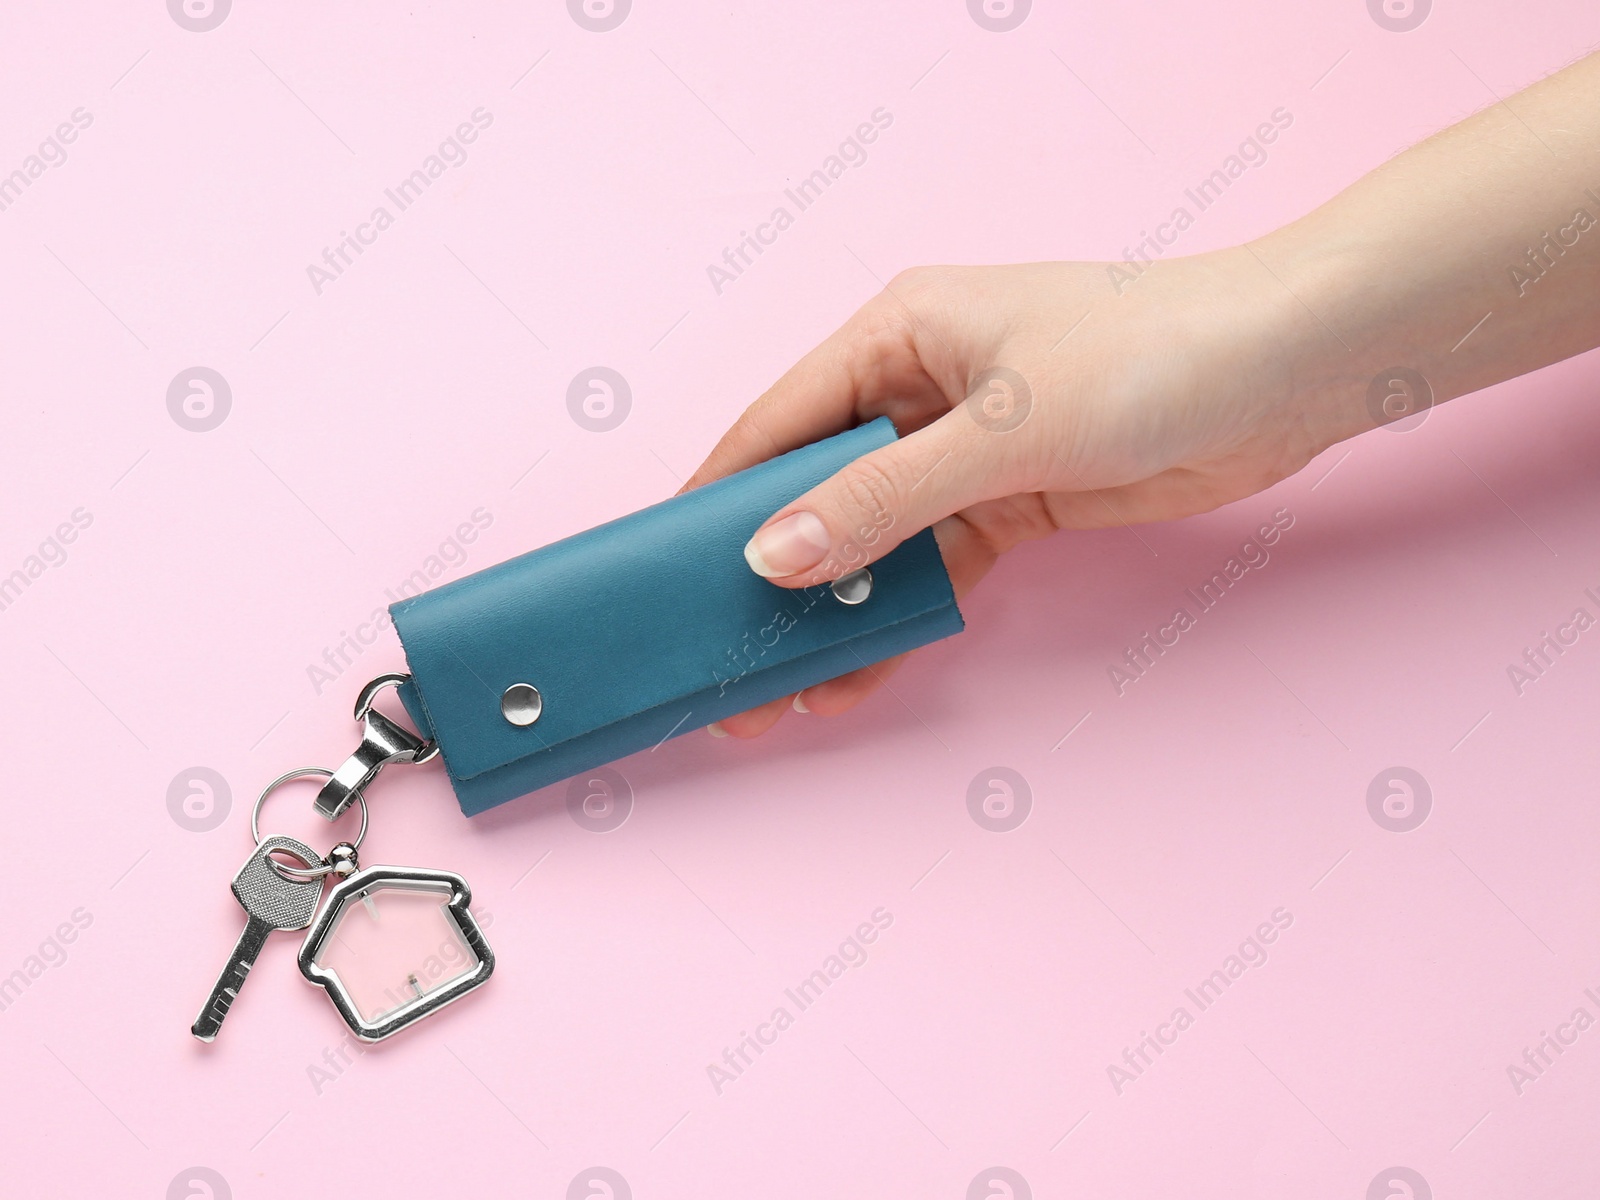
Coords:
pixel 647 627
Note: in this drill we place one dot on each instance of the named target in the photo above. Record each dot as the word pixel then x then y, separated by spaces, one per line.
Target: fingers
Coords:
pixel 839 695
pixel 867 368
pixel 967 555
pixel 871 506
pixel 752 722
pixel 827 699
pixel 815 398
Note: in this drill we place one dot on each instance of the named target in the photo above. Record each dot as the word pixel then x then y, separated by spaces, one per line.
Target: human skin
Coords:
pixel 1207 379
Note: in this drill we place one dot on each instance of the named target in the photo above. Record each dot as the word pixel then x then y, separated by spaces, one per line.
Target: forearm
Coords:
pixel 1471 258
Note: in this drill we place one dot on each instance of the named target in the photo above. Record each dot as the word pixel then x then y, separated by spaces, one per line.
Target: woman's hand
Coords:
pixel 1030 399
pixel 1078 395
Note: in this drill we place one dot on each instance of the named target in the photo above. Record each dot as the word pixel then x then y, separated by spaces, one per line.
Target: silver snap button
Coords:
pixel 853 588
pixel 521 704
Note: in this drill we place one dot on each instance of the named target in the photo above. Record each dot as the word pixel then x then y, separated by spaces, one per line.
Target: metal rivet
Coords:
pixel 853 588
pixel 521 704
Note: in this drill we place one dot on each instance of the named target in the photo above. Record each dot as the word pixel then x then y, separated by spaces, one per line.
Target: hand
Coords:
pixel 1079 395
pixel 1029 399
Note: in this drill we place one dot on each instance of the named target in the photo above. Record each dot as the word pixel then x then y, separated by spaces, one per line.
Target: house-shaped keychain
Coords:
pixel 394 944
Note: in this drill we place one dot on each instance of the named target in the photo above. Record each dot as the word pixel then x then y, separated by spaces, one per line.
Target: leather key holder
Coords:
pixel 617 639
pixel 550 665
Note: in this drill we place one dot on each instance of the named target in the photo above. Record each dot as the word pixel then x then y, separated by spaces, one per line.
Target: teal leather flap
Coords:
pixel 655 614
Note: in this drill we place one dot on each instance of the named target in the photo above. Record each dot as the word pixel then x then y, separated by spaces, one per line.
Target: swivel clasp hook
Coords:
pixel 382 742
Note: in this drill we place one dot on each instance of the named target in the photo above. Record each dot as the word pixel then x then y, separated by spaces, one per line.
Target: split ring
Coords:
pixel 301 875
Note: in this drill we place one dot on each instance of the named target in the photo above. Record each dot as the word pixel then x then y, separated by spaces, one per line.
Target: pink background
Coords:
pixel 371 420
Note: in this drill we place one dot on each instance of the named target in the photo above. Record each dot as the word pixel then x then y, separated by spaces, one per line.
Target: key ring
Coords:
pixel 301 875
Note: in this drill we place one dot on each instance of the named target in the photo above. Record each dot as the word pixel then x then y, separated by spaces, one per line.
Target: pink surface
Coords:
pixel 412 414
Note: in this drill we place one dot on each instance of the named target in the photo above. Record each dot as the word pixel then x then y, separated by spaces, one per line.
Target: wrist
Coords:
pixel 1337 333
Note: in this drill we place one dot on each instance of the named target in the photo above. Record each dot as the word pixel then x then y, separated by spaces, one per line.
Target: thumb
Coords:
pixel 867 509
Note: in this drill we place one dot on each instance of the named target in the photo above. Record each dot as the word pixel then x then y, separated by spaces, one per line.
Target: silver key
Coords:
pixel 270 901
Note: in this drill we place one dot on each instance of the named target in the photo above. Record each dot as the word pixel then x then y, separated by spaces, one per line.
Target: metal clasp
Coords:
pixel 382 742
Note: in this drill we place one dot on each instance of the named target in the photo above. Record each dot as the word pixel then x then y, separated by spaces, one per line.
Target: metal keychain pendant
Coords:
pixel 393 945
